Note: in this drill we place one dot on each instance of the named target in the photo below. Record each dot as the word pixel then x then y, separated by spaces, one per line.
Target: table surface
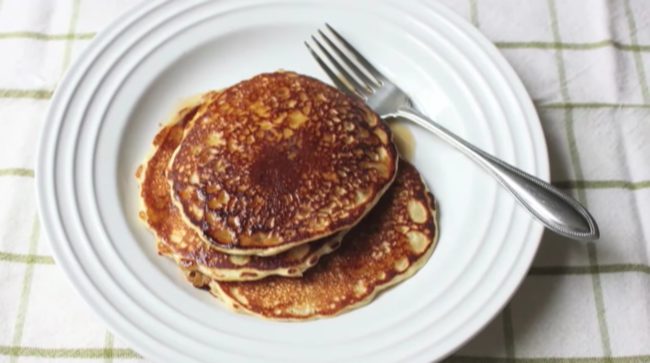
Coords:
pixel 585 64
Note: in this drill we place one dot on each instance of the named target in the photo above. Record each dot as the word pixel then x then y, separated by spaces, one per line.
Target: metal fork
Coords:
pixel 355 75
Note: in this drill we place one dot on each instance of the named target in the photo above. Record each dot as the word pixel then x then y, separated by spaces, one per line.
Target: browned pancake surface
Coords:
pixel 280 160
pixel 183 244
pixel 389 245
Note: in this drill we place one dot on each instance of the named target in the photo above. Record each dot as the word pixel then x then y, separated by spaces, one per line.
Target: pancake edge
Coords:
pixel 236 275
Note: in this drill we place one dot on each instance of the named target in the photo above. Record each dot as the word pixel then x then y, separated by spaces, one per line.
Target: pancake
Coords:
pixel 183 244
pixel 388 246
pixel 280 160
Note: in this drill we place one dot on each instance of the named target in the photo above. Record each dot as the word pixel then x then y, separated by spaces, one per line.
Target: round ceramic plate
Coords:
pixel 111 103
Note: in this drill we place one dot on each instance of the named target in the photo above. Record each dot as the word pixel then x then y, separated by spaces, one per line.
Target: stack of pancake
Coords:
pixel 286 199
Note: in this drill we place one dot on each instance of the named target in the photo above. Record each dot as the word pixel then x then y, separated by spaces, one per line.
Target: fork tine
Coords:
pixel 362 90
pixel 361 59
pixel 361 75
pixel 340 84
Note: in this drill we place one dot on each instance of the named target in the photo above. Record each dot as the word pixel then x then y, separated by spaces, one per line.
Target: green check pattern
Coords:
pixel 585 64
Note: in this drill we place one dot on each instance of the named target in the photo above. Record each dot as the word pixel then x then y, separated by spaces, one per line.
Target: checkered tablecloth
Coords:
pixel 585 64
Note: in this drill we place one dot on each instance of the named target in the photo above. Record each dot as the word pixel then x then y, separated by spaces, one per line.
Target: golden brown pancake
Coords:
pixel 389 245
pixel 184 245
pixel 280 160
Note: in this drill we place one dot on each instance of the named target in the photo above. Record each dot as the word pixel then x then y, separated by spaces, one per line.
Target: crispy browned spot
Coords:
pixel 138 172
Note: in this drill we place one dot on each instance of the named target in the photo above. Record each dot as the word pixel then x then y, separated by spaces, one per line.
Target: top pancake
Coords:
pixel 389 245
pixel 183 244
pixel 280 160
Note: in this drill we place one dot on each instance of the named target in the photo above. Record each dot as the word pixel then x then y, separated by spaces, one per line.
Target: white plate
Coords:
pixel 109 106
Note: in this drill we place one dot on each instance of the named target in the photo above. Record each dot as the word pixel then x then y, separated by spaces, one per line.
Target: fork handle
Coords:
pixel 556 210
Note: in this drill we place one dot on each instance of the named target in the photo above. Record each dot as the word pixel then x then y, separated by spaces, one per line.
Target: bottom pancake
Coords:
pixel 183 244
pixel 388 246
